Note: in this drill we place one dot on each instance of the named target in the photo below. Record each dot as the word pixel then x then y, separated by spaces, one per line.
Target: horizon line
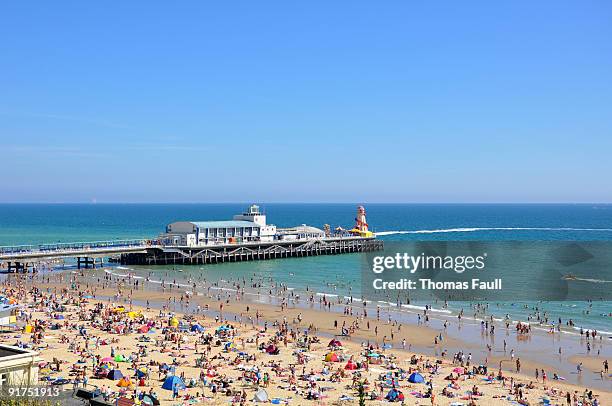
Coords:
pixel 300 202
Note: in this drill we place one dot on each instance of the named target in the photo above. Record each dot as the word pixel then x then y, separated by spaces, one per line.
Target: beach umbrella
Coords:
pixel 119 358
pixel 123 382
pixel 140 372
pixel 334 343
pixel 332 357
pixel 143 329
pixel 416 378
pixel 351 366
pixel 173 380
pixel 59 317
pixel 114 374
pixel 174 322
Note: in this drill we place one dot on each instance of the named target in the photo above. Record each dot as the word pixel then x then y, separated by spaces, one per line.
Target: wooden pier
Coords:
pixel 250 251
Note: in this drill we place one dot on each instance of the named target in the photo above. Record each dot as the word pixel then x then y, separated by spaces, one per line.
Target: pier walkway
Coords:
pixel 20 257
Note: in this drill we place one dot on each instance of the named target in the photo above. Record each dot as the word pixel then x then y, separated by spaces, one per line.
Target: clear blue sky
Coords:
pixel 397 101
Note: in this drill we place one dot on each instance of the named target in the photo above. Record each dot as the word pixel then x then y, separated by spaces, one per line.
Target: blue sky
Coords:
pixel 306 101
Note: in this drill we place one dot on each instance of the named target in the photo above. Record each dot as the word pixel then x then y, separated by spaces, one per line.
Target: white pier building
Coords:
pixel 246 227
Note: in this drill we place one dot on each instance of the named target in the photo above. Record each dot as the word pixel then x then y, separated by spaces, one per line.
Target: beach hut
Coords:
pixel 114 374
pixel 173 380
pixel 261 396
pixel 332 357
pixel 416 378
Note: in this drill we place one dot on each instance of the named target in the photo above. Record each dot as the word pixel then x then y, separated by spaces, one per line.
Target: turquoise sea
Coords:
pixel 24 224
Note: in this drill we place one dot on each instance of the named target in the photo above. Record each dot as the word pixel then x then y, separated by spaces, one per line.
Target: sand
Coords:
pixel 248 333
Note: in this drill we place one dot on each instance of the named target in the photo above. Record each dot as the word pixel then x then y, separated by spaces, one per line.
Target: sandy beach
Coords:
pixel 231 350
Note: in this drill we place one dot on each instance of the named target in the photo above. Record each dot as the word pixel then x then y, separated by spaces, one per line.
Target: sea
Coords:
pixel 332 276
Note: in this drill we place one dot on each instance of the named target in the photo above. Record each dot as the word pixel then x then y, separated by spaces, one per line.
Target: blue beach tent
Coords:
pixel 114 374
pixel 197 328
pixel 173 380
pixel 416 378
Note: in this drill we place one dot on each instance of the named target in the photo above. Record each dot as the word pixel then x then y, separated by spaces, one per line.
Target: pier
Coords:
pixel 86 255
pixel 250 251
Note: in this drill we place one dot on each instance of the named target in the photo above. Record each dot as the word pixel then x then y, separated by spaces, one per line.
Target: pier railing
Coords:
pixel 73 246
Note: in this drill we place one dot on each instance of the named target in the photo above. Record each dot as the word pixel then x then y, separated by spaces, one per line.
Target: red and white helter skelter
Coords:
pixel 361 225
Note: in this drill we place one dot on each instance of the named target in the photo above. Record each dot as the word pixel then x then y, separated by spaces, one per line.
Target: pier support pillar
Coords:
pixel 86 262
pixel 16 267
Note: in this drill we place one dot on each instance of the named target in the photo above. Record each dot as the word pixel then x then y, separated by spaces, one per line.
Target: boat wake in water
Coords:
pixel 592 280
pixel 474 229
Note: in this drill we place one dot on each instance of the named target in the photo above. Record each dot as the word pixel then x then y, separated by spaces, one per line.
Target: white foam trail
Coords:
pixel 592 280
pixel 473 229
